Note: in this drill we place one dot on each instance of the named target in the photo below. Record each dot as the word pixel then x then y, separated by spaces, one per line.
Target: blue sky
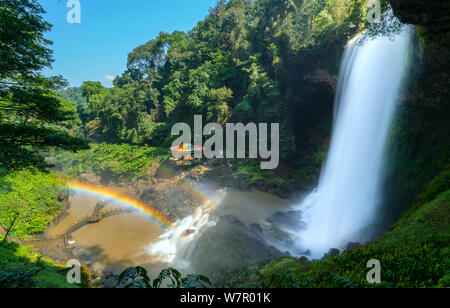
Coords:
pixel 97 48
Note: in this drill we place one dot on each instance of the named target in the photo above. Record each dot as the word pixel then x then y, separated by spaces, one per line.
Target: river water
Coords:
pixel 121 241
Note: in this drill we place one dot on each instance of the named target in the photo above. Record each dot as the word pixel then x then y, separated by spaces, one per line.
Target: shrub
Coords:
pixel 137 277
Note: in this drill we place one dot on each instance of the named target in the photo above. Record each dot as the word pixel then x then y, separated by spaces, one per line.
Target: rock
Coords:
pixel 290 219
pixel 231 219
pixel 187 233
pixel 63 195
pixel 354 245
pixel 228 246
pixel 333 252
pixel 90 178
pixel 257 231
pixel 322 75
pixel 432 14
pixel 433 17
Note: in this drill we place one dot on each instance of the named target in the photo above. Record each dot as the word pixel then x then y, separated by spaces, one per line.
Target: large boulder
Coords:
pixel 229 246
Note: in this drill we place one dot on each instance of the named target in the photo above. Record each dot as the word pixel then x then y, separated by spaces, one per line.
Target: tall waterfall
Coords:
pixel 349 191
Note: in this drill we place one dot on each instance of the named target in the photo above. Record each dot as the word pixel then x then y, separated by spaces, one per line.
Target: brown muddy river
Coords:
pixel 121 241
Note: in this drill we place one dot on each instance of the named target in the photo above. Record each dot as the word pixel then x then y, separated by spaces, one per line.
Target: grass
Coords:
pixel 22 266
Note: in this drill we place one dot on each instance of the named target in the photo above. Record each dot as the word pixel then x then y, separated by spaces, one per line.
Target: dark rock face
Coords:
pixel 289 219
pixel 434 15
pixel 433 18
pixel 230 246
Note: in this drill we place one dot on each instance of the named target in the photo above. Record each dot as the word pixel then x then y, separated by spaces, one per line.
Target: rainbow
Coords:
pixel 112 194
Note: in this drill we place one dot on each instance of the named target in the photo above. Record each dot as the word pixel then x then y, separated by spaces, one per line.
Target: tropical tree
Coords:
pixel 31 110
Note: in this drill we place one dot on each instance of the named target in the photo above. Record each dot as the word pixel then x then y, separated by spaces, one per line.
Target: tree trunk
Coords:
pixel 9 229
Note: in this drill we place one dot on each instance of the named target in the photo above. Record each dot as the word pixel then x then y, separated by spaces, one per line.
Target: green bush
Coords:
pixel 250 172
pixel 31 196
pixel 137 277
pixel 22 267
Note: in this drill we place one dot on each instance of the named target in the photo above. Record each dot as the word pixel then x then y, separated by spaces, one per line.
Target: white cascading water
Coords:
pixel 173 246
pixel 346 200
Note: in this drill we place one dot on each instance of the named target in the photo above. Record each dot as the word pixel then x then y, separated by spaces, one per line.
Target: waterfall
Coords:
pixel 175 245
pixel 349 191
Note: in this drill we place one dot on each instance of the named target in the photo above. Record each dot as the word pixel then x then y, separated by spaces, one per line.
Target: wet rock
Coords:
pixel 176 201
pixel 333 252
pixel 63 195
pixel 231 219
pixel 187 233
pixel 228 246
pixel 256 228
pixel 433 14
pixel 290 219
pixel 257 231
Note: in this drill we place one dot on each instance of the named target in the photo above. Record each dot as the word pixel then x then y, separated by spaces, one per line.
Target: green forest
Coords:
pixel 262 61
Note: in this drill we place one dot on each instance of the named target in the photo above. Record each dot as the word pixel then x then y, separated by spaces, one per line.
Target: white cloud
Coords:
pixel 110 78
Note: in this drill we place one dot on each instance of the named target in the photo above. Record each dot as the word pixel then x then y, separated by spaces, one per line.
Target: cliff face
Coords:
pixel 434 15
pixel 420 149
pixel 433 19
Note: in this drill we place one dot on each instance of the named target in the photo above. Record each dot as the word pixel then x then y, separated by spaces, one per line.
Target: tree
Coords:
pixel 90 88
pixel 31 110
pixel 246 61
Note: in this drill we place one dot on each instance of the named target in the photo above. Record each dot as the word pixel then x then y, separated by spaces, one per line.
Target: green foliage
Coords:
pixel 75 95
pixel 18 278
pixel 137 277
pixel 436 186
pixel 22 267
pixel 33 116
pixel 249 172
pixel 28 201
pixel 112 162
